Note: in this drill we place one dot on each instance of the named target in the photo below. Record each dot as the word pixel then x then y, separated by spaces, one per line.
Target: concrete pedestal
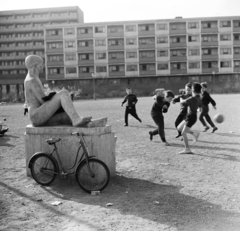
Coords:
pixel 101 142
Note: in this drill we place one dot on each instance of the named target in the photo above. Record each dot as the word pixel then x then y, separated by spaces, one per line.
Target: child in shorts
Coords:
pixel 193 103
pixel 183 109
pixel 161 105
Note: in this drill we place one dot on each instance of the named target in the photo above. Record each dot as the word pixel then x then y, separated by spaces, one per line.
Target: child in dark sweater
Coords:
pixel 131 100
pixel 161 105
pixel 206 99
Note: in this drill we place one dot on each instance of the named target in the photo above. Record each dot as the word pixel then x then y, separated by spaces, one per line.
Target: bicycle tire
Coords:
pixel 88 183
pixel 37 163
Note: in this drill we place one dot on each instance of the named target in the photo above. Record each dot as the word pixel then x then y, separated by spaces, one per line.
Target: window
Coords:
pixel 70 44
pixel 193 38
pixel 143 41
pixel 178 66
pixel 101 69
pixel 147 54
pixel 225 37
pixel 131 54
pixel 115 42
pixel 162 40
pixel 69 31
pixel 225 64
pixel 88 56
pixel 162 26
pixel 146 27
pixel 55 58
pixel 162 53
pixel 147 67
pixel 132 68
pixel 55 45
pixel 193 52
pixel 22 72
pixel 117 55
pixel 236 63
pixel 86 69
pixel 115 29
pixel 99 43
pixel 116 68
pixel 236 37
pixel 225 51
pixel 177 39
pixel 54 71
pixel 207 65
pixel 178 52
pixel 207 25
pixel 101 56
pixel 236 50
pixel 194 65
pixel 178 26
pixel 210 51
pixel 70 57
pixel 162 66
pixel 71 70
pixel 88 43
pixel 193 25
pixel 236 24
pixel 225 24
pixel 131 41
pixel 130 28
pixel 100 29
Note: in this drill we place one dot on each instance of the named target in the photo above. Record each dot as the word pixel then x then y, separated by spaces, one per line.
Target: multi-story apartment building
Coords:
pixel 166 53
pixel 142 54
pixel 21 34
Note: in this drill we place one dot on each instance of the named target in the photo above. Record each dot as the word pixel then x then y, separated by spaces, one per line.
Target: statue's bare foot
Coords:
pixel 97 123
pixel 82 122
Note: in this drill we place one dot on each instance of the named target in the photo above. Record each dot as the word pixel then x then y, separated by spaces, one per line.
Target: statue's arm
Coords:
pixel 37 90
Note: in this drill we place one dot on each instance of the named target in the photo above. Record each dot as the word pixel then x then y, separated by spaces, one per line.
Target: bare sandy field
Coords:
pixel 155 187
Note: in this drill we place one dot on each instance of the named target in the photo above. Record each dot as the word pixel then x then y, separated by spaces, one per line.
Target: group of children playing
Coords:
pixel 195 98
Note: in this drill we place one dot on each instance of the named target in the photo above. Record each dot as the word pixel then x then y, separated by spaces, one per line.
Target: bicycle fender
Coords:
pixel 37 154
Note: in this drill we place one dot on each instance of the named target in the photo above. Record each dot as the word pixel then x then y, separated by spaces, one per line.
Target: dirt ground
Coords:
pixel 155 187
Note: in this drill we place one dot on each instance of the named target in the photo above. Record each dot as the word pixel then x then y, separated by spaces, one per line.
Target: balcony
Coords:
pixel 210 70
pixel 178 58
pixel 55 63
pixel 177 28
pixel 55 76
pixel 209 43
pixel 115 31
pixel 85 61
pixel 150 69
pixel 85 32
pixel 211 27
pixel 210 57
pixel 146 29
pixel 116 73
pixel 178 71
pixel 54 37
pixel 54 50
pixel 236 69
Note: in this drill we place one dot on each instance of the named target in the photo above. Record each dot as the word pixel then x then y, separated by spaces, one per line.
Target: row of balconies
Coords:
pixel 144 29
pixel 38 16
pixel 137 70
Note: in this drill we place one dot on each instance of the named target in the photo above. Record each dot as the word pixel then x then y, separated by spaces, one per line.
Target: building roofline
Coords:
pixel 64 8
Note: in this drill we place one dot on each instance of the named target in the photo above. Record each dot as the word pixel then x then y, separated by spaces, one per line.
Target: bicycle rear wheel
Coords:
pixel 43 169
pixel 89 183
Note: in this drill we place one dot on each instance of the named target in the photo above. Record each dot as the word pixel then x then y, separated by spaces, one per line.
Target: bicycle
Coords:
pixel 91 173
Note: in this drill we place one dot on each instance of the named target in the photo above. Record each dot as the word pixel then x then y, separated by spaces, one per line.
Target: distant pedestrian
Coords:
pixel 131 100
pixel 25 108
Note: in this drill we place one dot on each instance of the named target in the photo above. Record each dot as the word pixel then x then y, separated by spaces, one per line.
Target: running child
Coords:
pixel 160 106
pixel 131 100
pixel 25 107
pixel 183 106
pixel 206 99
pixel 193 103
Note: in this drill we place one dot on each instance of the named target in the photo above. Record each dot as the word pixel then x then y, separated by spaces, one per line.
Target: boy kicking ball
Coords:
pixel 193 103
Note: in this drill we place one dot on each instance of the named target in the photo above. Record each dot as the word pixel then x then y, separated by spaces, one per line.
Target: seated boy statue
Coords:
pixel 47 113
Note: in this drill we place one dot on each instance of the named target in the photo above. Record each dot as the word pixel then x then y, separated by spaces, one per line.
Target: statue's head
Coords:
pixel 34 62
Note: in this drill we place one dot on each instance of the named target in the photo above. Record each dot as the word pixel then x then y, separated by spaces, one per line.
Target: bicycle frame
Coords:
pixel 85 154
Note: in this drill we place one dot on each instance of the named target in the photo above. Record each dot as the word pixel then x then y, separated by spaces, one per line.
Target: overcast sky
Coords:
pixel 124 10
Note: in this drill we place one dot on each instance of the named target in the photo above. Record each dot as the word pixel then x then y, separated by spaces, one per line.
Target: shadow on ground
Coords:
pixel 164 204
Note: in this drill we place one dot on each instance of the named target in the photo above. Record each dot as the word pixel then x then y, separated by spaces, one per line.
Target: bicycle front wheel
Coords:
pixel 43 169
pixel 95 179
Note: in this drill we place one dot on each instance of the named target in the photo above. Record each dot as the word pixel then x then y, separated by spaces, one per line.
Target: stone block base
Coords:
pixel 101 142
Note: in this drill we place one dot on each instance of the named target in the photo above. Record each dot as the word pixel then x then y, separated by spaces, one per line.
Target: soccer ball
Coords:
pixel 219 118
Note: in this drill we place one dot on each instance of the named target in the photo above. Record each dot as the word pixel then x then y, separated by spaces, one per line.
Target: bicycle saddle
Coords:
pixel 53 141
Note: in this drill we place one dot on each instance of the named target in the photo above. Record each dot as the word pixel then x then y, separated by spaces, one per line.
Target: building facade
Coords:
pixel 21 34
pixel 166 53
pixel 114 55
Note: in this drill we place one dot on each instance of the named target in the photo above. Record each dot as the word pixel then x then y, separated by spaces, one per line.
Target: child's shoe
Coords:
pixel 186 151
pixel 214 129
pixel 206 128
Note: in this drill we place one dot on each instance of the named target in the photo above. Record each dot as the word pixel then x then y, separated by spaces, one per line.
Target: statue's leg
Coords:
pixel 59 119
pixel 97 122
pixel 42 114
